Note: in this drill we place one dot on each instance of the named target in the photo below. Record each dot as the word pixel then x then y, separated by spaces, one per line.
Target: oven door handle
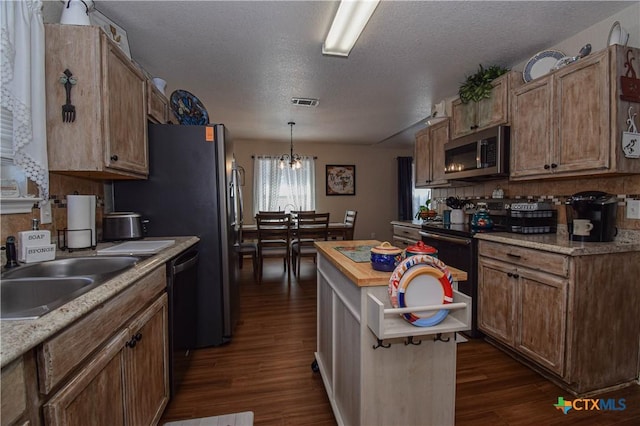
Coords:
pixel 454 240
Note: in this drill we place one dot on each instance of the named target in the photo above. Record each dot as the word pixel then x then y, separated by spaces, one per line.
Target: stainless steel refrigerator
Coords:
pixel 193 189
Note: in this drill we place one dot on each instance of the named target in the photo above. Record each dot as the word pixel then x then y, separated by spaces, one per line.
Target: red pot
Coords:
pixel 421 248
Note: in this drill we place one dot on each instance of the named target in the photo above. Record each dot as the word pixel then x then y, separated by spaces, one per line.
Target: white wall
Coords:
pixel 598 34
pixel 376 181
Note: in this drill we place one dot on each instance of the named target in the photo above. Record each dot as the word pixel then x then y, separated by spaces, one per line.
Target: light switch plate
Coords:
pixel 633 209
pixel 45 211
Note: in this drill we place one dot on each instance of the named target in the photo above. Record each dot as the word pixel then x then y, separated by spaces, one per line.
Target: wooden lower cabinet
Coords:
pixel 542 318
pixel 125 383
pixel 96 395
pixel 19 397
pixel 573 318
pixel 496 301
pixel 146 365
pixel 109 367
pixel 405 235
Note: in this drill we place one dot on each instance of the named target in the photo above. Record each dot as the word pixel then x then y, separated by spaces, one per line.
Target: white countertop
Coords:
pixel 410 223
pixel 560 243
pixel 17 337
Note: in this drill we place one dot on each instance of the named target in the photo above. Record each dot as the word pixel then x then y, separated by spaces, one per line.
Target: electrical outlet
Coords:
pixel 373 235
pixel 45 212
pixel 633 209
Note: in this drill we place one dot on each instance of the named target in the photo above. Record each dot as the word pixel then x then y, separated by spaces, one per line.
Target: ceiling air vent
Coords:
pixel 308 102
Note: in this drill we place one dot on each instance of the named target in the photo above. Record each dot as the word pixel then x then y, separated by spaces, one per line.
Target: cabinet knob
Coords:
pixel 509 274
pixel 138 337
pixel 114 157
pixel 131 343
pixel 547 167
pixel 554 165
pixel 516 276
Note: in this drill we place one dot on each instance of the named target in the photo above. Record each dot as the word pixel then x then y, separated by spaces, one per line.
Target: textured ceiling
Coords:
pixel 246 60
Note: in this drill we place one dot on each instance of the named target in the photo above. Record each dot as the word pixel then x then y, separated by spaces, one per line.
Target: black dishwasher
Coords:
pixel 182 289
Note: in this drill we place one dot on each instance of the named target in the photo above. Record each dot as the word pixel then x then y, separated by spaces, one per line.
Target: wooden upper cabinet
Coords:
pixel 108 138
pixel 493 111
pixel 582 115
pixel 569 123
pixel 422 157
pixel 463 118
pixel 157 105
pixel 439 135
pixel 531 128
pixel 429 155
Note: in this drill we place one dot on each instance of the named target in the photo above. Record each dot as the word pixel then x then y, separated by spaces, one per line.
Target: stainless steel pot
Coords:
pixel 118 226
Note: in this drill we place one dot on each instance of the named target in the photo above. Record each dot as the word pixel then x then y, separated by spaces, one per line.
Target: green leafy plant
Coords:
pixel 424 210
pixel 478 86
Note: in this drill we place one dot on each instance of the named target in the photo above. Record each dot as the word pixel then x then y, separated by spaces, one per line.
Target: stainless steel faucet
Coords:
pixel 12 256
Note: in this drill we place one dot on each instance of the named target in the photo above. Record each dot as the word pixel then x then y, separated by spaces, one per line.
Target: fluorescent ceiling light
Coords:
pixel 350 20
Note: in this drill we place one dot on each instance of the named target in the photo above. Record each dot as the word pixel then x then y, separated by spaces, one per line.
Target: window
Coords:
pixel 419 196
pixel 285 189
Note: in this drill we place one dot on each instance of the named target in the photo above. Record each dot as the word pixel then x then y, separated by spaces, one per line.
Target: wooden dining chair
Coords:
pixel 310 227
pixel 350 222
pixel 295 213
pixel 274 239
pixel 247 248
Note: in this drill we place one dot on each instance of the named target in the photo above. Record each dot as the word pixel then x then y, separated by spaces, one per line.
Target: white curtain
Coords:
pixel 301 184
pixel 267 176
pixel 283 189
pixel 23 87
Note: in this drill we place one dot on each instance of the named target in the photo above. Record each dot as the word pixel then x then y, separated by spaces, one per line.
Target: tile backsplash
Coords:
pixel 59 187
pixel 624 187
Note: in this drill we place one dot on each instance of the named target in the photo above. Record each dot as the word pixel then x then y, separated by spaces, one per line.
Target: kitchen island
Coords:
pixel 377 368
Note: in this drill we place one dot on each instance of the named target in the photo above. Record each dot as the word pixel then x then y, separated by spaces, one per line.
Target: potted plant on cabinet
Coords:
pixel 424 212
pixel 478 86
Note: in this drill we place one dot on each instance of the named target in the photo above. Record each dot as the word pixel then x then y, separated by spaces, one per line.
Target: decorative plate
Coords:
pixel 420 281
pixel 617 35
pixel 540 64
pixel 188 109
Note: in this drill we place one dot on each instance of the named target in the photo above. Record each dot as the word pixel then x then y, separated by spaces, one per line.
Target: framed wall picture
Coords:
pixel 341 179
pixel 113 31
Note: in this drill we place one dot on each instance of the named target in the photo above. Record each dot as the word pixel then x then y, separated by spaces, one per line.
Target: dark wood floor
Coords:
pixel 266 369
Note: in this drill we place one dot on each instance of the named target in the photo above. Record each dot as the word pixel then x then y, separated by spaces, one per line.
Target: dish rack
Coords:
pixel 532 222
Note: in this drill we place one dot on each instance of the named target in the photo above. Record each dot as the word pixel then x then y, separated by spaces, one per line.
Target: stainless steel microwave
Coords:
pixel 482 155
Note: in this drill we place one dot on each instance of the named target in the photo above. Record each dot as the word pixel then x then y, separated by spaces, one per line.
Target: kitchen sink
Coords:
pixel 73 267
pixel 30 298
pixel 30 291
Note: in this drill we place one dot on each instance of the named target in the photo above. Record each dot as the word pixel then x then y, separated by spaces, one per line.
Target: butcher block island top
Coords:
pixel 361 273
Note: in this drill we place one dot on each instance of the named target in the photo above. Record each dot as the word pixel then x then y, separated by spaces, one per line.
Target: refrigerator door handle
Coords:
pixel 235 201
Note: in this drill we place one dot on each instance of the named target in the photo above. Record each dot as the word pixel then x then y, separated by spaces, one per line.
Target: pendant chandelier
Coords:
pixel 294 160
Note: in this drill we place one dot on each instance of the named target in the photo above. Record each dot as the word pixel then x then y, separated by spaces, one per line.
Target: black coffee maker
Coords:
pixel 591 216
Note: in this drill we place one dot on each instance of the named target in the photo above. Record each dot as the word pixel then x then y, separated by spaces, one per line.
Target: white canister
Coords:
pixel 457 216
pixel 75 12
pixel 160 84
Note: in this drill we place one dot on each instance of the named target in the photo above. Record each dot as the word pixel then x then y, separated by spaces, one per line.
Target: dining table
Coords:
pixel 337 230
